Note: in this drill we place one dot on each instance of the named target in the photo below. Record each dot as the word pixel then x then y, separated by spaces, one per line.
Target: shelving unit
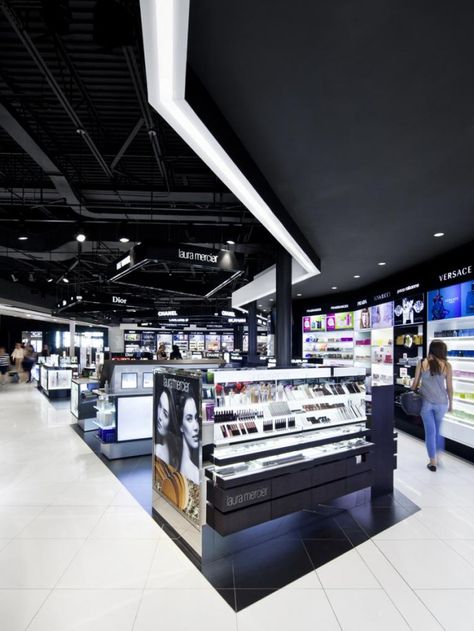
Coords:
pixel 458 425
pixel 382 357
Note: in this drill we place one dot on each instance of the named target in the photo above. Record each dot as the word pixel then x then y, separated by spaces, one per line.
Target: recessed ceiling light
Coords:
pixel 438 234
pixel 356 275
pixel 81 237
pixel 65 280
pixel 260 306
pixel 382 263
pixel 334 287
pixel 23 237
pixel 298 294
pixel 50 280
pixel 124 239
pixel 230 242
pixel 272 299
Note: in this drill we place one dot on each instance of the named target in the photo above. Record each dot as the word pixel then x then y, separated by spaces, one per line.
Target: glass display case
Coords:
pixel 83 401
pixel 54 381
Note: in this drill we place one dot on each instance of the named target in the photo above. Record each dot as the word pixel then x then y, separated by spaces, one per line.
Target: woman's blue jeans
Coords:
pixel 432 415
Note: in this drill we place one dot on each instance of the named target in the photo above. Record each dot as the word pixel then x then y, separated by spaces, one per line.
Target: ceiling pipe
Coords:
pixel 16 25
pixel 145 111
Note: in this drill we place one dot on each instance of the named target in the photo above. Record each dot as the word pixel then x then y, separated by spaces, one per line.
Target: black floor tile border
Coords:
pixel 317 537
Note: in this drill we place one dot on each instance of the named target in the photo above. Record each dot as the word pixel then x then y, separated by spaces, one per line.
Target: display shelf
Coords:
pixel 103 425
pixel 261 468
pixel 461 400
pixel 463 379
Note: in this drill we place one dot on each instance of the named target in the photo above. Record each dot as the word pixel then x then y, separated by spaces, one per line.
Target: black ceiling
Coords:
pixel 360 115
pixel 79 147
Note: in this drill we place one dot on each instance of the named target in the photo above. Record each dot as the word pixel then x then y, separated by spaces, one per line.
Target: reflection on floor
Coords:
pixel 280 552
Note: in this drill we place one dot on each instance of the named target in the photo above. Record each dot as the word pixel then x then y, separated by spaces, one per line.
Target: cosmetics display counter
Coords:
pixel 124 409
pixel 84 401
pixel 285 440
pixel 55 382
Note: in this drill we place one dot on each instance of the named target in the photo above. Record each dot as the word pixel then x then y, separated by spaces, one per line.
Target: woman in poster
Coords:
pixel 188 424
pixel 167 445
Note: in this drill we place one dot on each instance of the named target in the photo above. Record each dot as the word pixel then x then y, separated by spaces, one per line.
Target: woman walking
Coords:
pixel 434 377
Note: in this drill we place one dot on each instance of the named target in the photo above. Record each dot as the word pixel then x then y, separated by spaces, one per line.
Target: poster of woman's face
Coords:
pixel 177 440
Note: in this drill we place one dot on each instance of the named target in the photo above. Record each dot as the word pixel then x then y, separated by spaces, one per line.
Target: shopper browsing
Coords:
pixel 4 365
pixel 18 356
pixel 28 362
pixel 162 354
pixel 434 377
pixel 176 354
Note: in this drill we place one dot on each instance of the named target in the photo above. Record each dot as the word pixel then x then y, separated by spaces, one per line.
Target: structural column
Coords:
pixel 252 332
pixel 72 335
pixel 283 310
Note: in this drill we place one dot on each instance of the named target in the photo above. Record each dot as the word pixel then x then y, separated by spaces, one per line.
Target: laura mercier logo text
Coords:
pixel 200 257
pixel 249 496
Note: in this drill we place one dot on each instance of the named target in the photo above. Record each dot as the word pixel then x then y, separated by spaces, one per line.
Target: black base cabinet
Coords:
pixel 232 509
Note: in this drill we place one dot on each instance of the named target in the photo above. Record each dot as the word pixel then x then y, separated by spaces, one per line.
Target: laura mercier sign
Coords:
pixel 199 257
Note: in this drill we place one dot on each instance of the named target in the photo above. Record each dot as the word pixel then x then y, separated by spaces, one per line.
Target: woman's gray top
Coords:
pixel 433 387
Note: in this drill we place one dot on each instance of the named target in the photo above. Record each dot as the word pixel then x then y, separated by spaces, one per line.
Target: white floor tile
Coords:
pixel 409 528
pixel 370 610
pixel 88 610
pixel 448 523
pixel 186 610
pixel 171 569
pixel 63 522
pixel 18 606
pixel 14 518
pixel 38 563
pixel 464 547
pixel 403 597
pixel 126 522
pixel 428 564
pixel 347 571
pixel 289 609
pixel 124 498
pixel 113 563
pixel 453 608
pixel 88 493
pixel 31 493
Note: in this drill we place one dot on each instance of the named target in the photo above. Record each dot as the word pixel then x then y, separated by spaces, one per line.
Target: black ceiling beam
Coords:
pixel 127 143
pixel 17 26
pixel 145 111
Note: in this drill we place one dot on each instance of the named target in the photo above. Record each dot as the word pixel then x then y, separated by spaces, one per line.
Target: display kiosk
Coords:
pixel 84 401
pixel 55 382
pixel 284 440
pixel 125 404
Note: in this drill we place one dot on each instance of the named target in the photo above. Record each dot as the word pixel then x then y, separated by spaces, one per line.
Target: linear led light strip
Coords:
pixel 165 38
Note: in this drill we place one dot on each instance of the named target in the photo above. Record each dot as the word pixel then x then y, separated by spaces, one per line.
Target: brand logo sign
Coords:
pixel 315 310
pixel 123 262
pixel 119 301
pixel 169 312
pixel 236 320
pixel 339 307
pixel 228 314
pixel 361 303
pixel 199 257
pixel 384 296
pixel 456 273
pixel 246 498
pixel 179 319
pixel 403 290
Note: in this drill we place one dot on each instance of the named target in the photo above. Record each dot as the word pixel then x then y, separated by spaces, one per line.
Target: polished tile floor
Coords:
pixel 79 553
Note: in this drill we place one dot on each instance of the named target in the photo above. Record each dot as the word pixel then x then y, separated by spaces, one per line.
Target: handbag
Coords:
pixel 411 403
